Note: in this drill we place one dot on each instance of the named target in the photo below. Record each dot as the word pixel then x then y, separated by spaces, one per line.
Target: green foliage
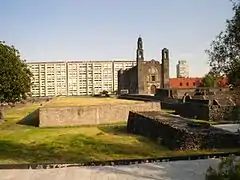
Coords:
pixel 210 80
pixel 224 52
pixel 228 169
pixel 104 92
pixel 15 77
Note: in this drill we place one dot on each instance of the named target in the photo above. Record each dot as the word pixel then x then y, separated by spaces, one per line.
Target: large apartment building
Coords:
pixel 75 77
pixel 182 69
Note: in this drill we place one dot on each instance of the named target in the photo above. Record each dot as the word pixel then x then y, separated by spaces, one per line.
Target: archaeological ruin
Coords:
pixel 178 133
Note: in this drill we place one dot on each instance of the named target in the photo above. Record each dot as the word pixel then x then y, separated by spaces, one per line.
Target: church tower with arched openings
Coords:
pixel 165 68
pixel 147 76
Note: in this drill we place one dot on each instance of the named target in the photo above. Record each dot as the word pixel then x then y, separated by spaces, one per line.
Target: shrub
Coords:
pixel 228 169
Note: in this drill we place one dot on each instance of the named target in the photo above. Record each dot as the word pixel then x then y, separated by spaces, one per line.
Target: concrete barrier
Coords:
pixel 91 115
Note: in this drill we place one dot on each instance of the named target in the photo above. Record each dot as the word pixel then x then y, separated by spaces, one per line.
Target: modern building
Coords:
pixel 146 76
pixel 182 69
pixel 75 77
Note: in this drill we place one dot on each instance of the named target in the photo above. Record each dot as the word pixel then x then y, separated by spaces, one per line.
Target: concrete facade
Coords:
pixel 91 115
pixel 182 69
pixel 73 78
pixel 146 76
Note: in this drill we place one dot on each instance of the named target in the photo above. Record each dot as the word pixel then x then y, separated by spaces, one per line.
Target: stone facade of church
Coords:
pixel 146 76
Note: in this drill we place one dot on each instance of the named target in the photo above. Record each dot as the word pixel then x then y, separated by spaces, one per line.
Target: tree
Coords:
pixel 15 77
pixel 229 169
pixel 224 52
pixel 105 93
pixel 210 80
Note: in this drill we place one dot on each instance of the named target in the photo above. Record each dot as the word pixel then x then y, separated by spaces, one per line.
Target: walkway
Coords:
pixel 178 170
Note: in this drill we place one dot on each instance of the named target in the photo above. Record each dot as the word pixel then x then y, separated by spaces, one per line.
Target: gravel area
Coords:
pixel 177 170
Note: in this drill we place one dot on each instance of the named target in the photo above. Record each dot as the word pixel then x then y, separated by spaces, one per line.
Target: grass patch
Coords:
pixel 169 111
pixel 204 121
pixel 194 120
pixel 83 101
pixel 26 144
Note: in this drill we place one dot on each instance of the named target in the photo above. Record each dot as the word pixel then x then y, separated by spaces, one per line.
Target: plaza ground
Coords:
pixel 178 170
pixel 27 144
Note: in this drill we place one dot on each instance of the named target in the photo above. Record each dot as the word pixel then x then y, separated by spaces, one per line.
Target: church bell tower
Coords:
pixel 165 68
pixel 140 55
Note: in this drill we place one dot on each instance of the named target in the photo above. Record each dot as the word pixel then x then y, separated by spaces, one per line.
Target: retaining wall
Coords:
pixel 91 115
pixel 193 110
pixel 177 133
pixel 166 103
pixel 208 112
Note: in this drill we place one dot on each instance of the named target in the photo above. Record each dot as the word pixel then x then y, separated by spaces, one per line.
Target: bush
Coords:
pixel 228 169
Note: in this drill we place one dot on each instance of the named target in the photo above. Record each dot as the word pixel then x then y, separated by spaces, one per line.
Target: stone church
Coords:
pixel 146 76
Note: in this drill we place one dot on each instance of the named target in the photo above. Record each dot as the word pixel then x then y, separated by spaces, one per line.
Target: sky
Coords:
pixel 55 30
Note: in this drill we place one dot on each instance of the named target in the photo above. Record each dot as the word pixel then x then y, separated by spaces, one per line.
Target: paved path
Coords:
pixel 178 170
pixel 229 127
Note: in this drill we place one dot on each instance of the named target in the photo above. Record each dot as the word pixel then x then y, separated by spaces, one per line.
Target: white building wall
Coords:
pixel 75 78
pixel 182 69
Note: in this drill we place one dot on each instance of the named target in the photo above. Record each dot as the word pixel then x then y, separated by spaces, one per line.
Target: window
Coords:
pixel 194 84
pixel 180 84
pixel 187 84
pixel 153 78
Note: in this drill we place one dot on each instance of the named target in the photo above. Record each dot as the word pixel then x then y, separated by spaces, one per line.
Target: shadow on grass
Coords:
pixel 31 119
pixel 120 129
pixel 70 149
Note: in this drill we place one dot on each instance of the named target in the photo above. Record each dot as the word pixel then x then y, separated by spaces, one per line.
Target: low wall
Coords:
pixel 166 103
pixel 230 113
pixel 207 112
pixel 139 97
pixel 193 110
pixel 91 115
pixel 177 133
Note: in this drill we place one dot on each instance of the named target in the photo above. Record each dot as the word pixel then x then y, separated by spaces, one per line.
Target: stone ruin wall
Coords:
pixel 91 115
pixel 199 107
pixel 180 138
pixel 208 112
pixel 220 106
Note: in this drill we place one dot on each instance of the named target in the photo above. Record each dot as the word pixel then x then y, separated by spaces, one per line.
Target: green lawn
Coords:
pixel 83 101
pixel 26 144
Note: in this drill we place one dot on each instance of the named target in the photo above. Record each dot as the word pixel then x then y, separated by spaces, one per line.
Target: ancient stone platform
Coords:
pixel 91 114
pixel 180 133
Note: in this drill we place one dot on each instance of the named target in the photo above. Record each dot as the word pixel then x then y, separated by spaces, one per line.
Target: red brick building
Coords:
pixel 192 82
pixel 184 82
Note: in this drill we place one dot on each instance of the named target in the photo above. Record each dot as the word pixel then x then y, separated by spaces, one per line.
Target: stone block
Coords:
pixel 91 115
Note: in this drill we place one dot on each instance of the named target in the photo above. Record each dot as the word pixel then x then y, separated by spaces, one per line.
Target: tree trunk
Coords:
pixel 1 114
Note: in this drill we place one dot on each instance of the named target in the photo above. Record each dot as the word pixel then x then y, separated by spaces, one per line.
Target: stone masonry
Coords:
pixel 178 133
pixel 146 76
pixel 91 115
